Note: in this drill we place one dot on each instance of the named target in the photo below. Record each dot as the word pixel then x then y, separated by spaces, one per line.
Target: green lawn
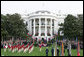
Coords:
pixel 36 52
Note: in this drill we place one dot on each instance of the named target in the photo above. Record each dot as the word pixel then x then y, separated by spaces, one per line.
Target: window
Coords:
pixel 48 21
pixel 53 22
pixel 42 21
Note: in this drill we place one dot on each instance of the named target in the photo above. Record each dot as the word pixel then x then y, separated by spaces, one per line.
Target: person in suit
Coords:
pixel 52 51
pixel 47 51
pixel 57 51
pixel 69 49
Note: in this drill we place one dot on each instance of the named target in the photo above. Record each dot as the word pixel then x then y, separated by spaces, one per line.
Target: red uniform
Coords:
pixel 4 46
pixel 39 45
pixel 31 46
pixel 9 46
pixel 12 47
pixel 26 46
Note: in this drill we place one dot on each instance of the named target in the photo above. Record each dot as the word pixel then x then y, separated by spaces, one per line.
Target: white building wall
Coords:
pixel 57 19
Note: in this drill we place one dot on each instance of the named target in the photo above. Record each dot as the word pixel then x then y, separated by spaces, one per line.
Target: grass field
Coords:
pixel 36 52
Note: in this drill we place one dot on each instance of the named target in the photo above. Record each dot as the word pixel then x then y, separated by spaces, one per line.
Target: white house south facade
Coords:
pixel 43 24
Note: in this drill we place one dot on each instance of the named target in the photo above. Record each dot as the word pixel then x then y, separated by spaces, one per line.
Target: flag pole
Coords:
pixel 62 49
pixel 55 47
pixel 78 48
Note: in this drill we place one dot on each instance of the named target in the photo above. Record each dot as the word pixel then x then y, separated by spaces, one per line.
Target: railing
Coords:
pixel 37 24
pixel 48 23
pixel 42 24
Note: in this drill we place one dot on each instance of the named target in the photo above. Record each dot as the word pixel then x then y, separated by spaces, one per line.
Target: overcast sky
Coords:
pixel 25 7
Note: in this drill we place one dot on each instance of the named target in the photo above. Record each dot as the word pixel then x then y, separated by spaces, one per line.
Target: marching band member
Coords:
pixel 4 46
pixel 26 47
pixel 31 48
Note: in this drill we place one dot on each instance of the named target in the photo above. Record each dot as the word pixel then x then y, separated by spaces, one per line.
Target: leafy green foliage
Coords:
pixel 13 25
pixel 72 27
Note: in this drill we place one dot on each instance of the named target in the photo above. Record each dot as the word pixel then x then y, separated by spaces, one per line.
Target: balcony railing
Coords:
pixel 48 24
pixel 42 24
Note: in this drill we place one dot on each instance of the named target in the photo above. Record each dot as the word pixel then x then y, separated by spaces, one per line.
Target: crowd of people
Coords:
pixel 29 45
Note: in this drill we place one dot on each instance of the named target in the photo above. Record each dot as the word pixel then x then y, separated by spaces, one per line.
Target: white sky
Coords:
pixel 25 7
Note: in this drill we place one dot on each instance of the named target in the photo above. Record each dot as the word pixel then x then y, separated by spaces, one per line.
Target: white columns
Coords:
pixel 45 26
pixel 28 25
pixel 39 26
pixel 34 28
pixel 31 26
pixel 56 26
pixel 51 27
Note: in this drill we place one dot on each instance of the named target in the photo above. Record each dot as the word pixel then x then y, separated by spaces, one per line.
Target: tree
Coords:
pixel 70 26
pixel 4 32
pixel 14 25
pixel 80 26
